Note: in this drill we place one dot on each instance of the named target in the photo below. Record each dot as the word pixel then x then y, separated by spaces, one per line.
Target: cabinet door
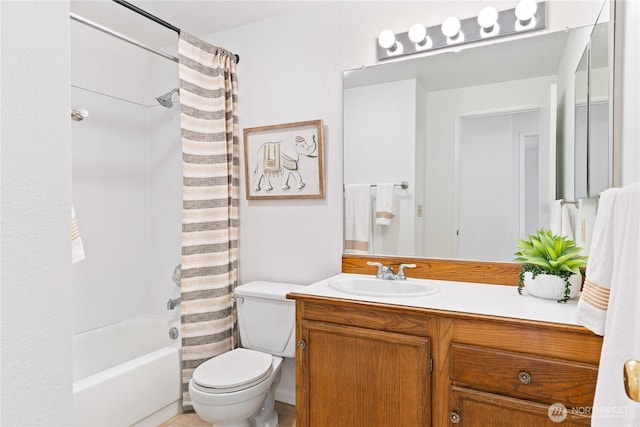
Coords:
pixel 360 377
pixel 470 408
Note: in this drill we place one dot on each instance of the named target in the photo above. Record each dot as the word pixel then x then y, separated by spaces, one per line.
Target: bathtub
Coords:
pixel 127 373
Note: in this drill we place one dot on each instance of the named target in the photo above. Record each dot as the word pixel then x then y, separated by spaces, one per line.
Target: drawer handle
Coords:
pixel 524 377
pixel 454 417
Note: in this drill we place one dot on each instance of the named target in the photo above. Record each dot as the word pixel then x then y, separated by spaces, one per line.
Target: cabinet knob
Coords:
pixel 454 417
pixel 302 344
pixel 524 377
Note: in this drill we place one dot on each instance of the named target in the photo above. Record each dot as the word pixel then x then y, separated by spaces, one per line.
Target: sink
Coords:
pixel 383 288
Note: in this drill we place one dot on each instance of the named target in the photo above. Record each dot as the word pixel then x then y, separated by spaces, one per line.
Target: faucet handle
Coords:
pixel 379 265
pixel 401 275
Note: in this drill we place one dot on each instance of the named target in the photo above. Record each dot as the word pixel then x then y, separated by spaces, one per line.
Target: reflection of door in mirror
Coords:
pixel 498 186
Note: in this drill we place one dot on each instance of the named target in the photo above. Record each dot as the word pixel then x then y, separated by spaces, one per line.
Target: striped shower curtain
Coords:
pixel 209 121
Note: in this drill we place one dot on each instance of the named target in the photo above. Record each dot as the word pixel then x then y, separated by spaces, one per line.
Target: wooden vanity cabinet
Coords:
pixel 361 367
pixel 367 364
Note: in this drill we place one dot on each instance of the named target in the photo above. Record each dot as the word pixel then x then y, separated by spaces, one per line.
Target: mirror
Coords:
pixel 472 132
pixel 599 177
pixel 581 127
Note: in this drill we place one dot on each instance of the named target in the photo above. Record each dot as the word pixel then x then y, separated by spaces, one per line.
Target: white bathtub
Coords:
pixel 127 373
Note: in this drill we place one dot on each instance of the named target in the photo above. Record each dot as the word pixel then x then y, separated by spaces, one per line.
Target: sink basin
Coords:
pixel 383 288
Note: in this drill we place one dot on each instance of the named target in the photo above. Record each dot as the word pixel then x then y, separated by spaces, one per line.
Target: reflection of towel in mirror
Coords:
pixel 77 249
pixel 357 218
pixel 610 300
pixel 385 203
pixel 561 220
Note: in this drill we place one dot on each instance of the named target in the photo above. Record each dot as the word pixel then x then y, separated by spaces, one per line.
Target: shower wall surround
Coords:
pixel 126 180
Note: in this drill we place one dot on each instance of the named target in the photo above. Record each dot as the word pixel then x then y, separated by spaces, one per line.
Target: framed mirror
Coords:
pixel 473 133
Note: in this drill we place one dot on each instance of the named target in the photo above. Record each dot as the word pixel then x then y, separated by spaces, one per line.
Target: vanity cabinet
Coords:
pixel 370 364
pixel 360 367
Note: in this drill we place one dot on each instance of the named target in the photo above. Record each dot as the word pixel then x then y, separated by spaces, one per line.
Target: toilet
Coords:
pixel 237 388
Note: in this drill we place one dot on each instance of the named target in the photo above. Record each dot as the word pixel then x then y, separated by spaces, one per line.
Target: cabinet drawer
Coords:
pixel 478 409
pixel 523 376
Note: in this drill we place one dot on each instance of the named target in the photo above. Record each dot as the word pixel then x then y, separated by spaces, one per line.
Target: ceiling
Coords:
pixel 200 17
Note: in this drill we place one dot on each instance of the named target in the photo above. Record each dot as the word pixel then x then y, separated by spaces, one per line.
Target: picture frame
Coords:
pixel 285 161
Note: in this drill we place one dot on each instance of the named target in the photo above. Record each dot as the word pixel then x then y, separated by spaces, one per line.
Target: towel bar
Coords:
pixel 404 185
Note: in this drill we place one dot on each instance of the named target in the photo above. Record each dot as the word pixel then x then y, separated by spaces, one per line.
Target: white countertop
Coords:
pixel 475 298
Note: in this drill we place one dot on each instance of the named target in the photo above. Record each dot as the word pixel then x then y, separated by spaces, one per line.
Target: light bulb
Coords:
pixel 488 18
pixel 451 27
pixel 525 10
pixel 387 39
pixel 417 33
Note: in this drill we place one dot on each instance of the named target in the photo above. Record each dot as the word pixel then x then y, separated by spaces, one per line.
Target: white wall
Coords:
pixel 630 93
pixel 36 214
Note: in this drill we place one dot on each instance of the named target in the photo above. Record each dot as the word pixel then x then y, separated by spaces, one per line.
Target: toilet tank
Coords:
pixel 266 319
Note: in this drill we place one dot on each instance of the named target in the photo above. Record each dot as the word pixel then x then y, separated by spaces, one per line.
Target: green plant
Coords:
pixel 546 253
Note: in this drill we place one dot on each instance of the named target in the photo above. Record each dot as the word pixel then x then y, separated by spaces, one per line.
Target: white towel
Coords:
pixel 385 203
pixel 556 217
pixel 357 221
pixel 592 306
pixel 561 219
pixel 614 269
pixel 567 228
pixel 77 249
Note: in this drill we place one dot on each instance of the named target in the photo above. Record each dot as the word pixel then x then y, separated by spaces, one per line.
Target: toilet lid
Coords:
pixel 232 371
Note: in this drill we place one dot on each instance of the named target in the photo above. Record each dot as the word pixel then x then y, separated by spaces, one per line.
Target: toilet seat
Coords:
pixel 234 370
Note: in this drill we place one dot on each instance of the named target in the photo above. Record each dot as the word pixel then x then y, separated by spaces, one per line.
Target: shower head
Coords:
pixel 166 100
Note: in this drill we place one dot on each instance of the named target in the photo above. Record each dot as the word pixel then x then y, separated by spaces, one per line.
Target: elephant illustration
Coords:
pixel 280 158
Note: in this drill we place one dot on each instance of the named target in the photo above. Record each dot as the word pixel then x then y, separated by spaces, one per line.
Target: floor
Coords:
pixel 286 418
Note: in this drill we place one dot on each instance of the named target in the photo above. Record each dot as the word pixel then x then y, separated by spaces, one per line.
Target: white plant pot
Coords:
pixel 548 286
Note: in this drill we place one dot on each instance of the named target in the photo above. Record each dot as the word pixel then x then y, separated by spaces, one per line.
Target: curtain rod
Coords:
pixel 120 36
pixel 147 15
pixel 154 18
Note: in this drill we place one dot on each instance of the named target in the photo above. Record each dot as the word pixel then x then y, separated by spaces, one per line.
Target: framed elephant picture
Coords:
pixel 284 161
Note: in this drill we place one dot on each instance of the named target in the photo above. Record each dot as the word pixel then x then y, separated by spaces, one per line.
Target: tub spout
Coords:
pixel 173 303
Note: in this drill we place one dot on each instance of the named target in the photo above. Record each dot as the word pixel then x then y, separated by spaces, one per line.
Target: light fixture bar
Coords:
pixel 507 23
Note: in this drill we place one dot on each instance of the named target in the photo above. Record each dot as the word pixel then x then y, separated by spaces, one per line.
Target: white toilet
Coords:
pixel 237 388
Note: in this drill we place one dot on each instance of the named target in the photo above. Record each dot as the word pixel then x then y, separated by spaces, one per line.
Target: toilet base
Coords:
pixel 267 416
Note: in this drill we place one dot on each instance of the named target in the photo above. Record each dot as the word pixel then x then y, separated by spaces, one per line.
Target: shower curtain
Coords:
pixel 209 122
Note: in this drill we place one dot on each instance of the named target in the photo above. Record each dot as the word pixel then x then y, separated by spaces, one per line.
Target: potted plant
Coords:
pixel 551 266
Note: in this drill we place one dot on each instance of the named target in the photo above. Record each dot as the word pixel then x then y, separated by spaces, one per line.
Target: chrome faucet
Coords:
pixel 386 273
pixel 173 303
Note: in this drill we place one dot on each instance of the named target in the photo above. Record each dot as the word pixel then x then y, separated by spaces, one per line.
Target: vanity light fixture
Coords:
pixel 451 29
pixel 525 14
pixel 528 15
pixel 418 35
pixel 488 21
pixel 387 41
